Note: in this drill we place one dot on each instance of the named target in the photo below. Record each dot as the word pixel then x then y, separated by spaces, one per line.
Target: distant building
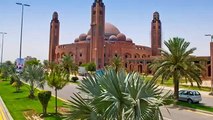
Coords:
pixel 104 41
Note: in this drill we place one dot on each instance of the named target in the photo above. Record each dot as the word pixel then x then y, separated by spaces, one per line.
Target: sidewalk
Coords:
pixel 4 113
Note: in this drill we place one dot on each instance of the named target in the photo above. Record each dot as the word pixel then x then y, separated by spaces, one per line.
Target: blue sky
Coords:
pixel 189 19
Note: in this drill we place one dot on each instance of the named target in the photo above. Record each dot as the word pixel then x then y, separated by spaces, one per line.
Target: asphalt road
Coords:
pixel 66 92
pixel 184 114
pixel 173 114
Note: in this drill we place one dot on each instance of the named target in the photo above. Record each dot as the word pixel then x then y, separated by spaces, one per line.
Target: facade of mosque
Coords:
pixel 104 41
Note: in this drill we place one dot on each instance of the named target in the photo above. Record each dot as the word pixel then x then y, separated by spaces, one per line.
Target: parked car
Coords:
pixel 190 96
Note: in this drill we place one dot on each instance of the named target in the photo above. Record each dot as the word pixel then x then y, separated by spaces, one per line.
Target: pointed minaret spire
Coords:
pixel 97 34
pixel 98 1
pixel 156 34
pixel 54 36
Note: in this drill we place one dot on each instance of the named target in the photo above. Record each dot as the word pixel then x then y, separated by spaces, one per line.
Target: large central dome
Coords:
pixel 110 29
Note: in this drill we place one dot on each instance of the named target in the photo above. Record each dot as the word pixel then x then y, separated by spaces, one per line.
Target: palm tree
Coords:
pixel 57 79
pixel 177 63
pixel 46 65
pixel 34 75
pixel 116 95
pixel 67 63
pixel 116 63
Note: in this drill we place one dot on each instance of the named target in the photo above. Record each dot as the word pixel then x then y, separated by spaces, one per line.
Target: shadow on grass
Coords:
pixel 57 116
pixel 20 91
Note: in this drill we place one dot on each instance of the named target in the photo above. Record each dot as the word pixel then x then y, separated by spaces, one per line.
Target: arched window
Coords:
pixel 70 53
pixel 62 55
pixel 137 55
pixel 143 56
pixel 127 55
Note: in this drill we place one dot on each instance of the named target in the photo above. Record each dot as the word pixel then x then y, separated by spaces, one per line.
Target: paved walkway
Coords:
pixel 4 113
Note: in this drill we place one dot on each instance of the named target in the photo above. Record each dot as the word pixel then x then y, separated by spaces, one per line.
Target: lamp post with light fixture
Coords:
pixel 2 45
pixel 22 19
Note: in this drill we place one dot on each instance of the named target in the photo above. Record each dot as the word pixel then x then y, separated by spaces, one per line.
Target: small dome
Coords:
pixel 82 37
pixel 129 40
pixel 77 40
pixel 113 38
pixel 121 37
pixel 88 37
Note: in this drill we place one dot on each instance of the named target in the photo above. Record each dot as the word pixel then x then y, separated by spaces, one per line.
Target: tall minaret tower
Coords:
pixel 97 34
pixel 156 34
pixel 54 36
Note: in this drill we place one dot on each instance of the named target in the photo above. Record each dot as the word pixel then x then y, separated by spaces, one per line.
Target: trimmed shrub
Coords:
pixel 13 79
pixel 17 85
pixel 74 79
pixel 44 98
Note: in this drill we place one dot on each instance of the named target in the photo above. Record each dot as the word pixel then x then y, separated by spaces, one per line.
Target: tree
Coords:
pixel 35 76
pixel 57 79
pixel 177 63
pixel 7 68
pixel 91 67
pixel 116 63
pixel 44 97
pixel 67 63
pixel 46 64
pixel 32 61
pixel 16 82
pixel 116 95
pixel 75 69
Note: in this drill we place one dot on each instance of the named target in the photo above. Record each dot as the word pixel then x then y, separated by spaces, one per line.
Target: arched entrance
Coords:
pixel 140 68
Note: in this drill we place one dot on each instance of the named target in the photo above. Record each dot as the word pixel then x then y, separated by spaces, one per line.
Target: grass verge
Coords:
pixel 18 103
pixel 195 106
pixel 169 83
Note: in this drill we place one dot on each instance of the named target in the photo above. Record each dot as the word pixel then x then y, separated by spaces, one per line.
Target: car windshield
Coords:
pixel 196 93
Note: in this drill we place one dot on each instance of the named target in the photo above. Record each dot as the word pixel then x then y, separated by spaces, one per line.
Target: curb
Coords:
pixel 51 93
pixel 5 110
pixel 192 109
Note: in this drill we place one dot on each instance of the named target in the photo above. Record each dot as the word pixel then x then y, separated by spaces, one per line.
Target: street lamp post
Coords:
pixel 2 45
pixel 22 14
pixel 211 58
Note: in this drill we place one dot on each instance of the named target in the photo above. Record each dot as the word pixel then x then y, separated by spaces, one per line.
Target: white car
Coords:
pixel 191 96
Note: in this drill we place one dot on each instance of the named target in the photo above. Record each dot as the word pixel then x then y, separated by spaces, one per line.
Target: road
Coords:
pixel 184 114
pixel 66 92
pixel 175 113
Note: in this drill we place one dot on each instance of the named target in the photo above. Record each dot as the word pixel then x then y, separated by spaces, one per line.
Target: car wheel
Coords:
pixel 189 101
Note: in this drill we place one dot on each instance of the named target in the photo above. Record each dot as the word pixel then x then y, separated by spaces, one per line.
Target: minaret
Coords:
pixel 97 34
pixel 156 34
pixel 54 36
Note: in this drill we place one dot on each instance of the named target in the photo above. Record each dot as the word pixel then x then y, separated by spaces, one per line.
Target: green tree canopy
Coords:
pixel 91 67
pixel 57 78
pixel 177 63
pixel 35 76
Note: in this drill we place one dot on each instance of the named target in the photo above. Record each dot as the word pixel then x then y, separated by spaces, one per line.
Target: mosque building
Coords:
pixel 104 41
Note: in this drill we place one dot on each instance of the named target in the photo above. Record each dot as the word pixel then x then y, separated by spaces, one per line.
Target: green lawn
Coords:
pixel 169 83
pixel 18 103
pixel 195 106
